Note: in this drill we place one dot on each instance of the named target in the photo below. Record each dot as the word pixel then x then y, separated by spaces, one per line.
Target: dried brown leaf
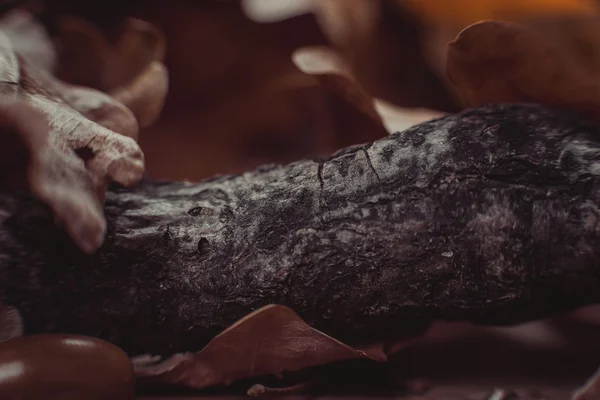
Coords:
pixel 504 62
pixel 87 57
pixel 335 74
pixel 268 341
pixel 130 70
pixel 242 68
pixel 336 78
pixel 259 390
pixel 322 60
pixel 382 43
pixel 383 349
pixel 145 95
pixel 349 24
pixel 577 35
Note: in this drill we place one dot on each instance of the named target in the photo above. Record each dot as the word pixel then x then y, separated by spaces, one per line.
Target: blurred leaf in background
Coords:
pixel 238 99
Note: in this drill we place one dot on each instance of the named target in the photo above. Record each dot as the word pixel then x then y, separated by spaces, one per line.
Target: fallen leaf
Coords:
pixel 237 67
pixel 382 43
pixel 504 62
pixel 259 390
pixel 383 349
pixel 145 95
pixel 323 60
pixel 590 390
pixel 349 24
pixel 268 341
pixel 378 38
pixel 336 75
pixel 87 58
pixel 576 34
pixel 352 105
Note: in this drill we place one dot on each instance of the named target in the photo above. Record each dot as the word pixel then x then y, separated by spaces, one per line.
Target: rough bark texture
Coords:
pixel 490 215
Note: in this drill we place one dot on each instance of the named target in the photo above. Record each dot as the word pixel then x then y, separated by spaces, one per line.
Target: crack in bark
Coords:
pixel 370 163
pixel 322 199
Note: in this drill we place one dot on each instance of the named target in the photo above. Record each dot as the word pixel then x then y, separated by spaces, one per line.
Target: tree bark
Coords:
pixel 490 216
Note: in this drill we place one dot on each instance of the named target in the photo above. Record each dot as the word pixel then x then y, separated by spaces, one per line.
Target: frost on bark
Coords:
pixel 490 215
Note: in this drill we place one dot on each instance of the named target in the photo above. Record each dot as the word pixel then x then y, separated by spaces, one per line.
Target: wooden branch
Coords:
pixel 489 216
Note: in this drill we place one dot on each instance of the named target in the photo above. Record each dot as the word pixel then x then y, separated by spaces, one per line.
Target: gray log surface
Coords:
pixel 490 215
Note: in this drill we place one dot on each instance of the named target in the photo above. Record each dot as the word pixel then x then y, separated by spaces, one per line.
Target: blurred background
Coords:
pixel 259 81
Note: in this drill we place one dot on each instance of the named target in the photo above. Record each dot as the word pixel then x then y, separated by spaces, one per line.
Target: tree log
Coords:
pixel 490 215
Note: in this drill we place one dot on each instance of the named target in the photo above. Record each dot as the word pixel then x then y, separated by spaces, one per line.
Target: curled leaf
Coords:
pixel 322 61
pixel 337 77
pixel 87 57
pixel 350 105
pixel 130 70
pixel 268 341
pixel 504 62
pixel 259 390
pixel 349 24
pixel 382 43
pixel 145 95
pixel 140 44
